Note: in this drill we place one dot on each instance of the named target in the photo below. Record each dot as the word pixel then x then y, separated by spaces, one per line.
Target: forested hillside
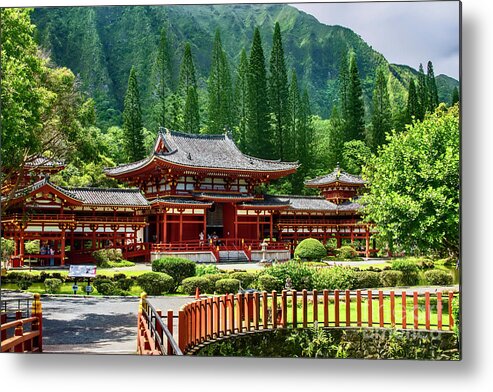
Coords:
pixel 101 44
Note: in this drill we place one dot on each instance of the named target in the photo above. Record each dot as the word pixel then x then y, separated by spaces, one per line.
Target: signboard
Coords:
pixel 82 271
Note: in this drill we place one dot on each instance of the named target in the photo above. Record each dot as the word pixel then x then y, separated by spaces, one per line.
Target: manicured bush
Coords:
pixel 456 314
pixel 156 283
pixel 439 278
pixel 269 283
pixel 110 258
pixel 390 278
pixel 301 275
pixel 366 280
pixel 52 285
pixel 100 281
pixel 101 257
pixel 206 269
pixel 227 286
pixel 23 281
pixel 409 269
pixel 125 284
pixel 426 264
pixel 310 249
pixel 176 267
pixel 346 253
pixel 246 279
pixel 189 285
pixel 332 278
pixel 118 276
pixel 213 278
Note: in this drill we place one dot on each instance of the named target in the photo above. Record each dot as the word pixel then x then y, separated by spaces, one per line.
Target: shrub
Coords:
pixel 156 283
pixel 189 285
pixel 246 279
pixel 409 269
pixel 426 264
pixel 101 257
pixel 346 253
pixel 119 264
pixel 340 278
pixel 310 249
pixel 213 278
pixel 390 278
pixel 206 269
pixel 119 276
pixel 175 267
pixel 52 285
pixel 301 275
pixel 456 314
pixel 100 281
pixel 438 278
pixel 23 281
pixel 125 284
pixel 366 280
pixel 269 283
pixel 227 286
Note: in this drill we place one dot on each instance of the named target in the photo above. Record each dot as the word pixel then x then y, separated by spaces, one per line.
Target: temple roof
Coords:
pixel 180 201
pixel 43 162
pixel 337 175
pixel 110 196
pixel 304 203
pixel 203 151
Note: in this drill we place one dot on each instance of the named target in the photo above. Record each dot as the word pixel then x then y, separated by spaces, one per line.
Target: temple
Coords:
pixel 196 196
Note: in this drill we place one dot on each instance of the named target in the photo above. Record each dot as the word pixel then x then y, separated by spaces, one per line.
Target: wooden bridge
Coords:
pixel 210 319
pixel 24 331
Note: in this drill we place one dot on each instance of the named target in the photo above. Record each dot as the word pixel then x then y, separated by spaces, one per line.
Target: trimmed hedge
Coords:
pixel 310 249
pixel 366 280
pixel 346 253
pixel 155 283
pixel 227 286
pixel 176 267
pixel 390 278
pixel 189 285
pixel 409 269
pixel 213 278
pixel 269 283
pixel 246 279
pixel 439 278
pixel 333 278
pixel 52 285
pixel 301 275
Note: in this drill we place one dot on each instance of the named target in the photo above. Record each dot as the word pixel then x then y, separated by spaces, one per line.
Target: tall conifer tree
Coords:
pixel 187 90
pixel 355 115
pixel 163 75
pixel 422 92
pixel 381 120
pixel 241 102
pixel 336 139
pixel 455 95
pixel 431 87
pixel 260 140
pixel 343 81
pixel 413 109
pixel 132 120
pixel 279 95
pixel 219 90
pixel 294 113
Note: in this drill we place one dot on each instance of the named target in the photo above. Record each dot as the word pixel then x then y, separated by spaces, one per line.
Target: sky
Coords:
pixel 404 32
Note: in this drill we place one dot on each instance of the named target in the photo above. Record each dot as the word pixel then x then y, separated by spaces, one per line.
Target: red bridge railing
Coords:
pixel 25 332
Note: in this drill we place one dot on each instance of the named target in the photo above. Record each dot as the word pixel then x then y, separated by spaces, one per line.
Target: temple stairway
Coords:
pixel 232 256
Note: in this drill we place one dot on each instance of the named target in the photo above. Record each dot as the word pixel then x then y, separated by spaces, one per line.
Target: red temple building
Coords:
pixel 197 196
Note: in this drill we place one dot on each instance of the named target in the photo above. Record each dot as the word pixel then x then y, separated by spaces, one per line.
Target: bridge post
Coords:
pixel 37 311
pixel 19 331
pixel 169 319
pixel 182 331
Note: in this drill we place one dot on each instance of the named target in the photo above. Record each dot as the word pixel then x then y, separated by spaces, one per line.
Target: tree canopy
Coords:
pixel 414 186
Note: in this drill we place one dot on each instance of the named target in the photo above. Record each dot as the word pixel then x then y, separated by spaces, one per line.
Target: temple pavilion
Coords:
pixel 196 196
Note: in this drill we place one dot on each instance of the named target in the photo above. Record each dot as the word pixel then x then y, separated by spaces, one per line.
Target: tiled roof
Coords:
pixel 337 175
pixel 180 200
pixel 110 196
pixel 43 162
pixel 39 184
pixel 206 151
pixel 214 196
pixel 304 203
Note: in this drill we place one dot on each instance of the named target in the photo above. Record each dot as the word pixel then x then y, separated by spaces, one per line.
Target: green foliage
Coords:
pixel 227 286
pixel 414 187
pixel 156 283
pixel 32 247
pixel 301 275
pixel 381 119
pixel 110 258
pixel 213 278
pixel 241 102
pixel 246 278
pixel 7 247
pixel 340 278
pixel 23 281
pixel 187 92
pixel 439 278
pixel 52 285
pixel 409 269
pixel 310 249
pixel 367 279
pixel 259 136
pixel 269 283
pixel 390 278
pixel 346 253
pixel 189 285
pixel 412 103
pixel 355 113
pixel 455 96
pixel 456 314
pixel 132 120
pixel 206 269
pixel 176 267
pixel 355 155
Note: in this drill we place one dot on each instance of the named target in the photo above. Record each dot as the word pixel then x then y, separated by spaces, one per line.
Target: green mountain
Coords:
pixel 101 44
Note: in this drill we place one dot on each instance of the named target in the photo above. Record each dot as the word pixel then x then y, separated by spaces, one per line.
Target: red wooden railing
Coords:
pixel 25 332
pixel 215 317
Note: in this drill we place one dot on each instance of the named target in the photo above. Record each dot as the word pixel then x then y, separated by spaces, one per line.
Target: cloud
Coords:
pixel 404 32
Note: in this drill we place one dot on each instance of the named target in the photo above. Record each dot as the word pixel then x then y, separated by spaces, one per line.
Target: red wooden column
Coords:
pixel 165 226
pixel 205 225
pixel 258 224
pixel 271 224
pixel 158 231
pixel 62 248
pixel 367 249
pixel 181 225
